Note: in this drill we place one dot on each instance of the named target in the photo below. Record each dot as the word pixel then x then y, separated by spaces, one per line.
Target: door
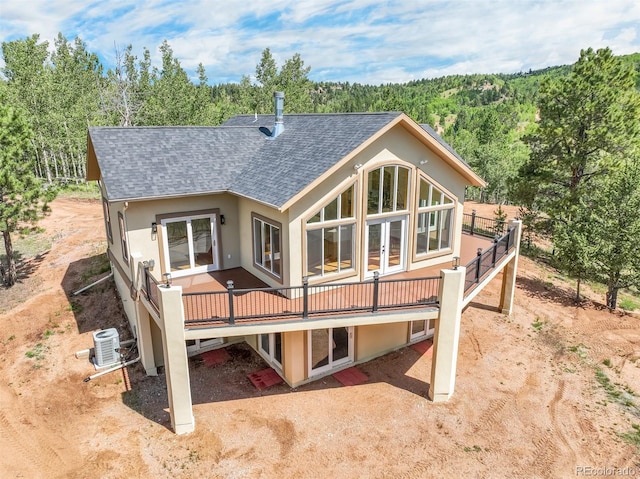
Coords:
pixel 329 348
pixel 385 245
pixel 270 345
pixel 190 244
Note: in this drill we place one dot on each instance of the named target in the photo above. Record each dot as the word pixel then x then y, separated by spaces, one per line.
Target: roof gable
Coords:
pixel 238 157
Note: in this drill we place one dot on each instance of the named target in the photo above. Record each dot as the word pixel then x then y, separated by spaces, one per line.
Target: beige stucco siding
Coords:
pixel 397 146
pixel 141 214
pixel 376 339
pixel 128 304
pixel 244 240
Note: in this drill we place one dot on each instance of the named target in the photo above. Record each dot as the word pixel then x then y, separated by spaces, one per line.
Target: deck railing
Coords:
pixel 478 225
pixel 150 288
pixel 487 259
pixel 308 301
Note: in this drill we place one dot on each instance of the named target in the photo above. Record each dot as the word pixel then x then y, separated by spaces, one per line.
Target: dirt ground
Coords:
pixel 527 402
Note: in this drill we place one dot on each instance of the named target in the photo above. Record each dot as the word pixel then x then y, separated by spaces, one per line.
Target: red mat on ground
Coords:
pixel 423 347
pixel 265 378
pixel 351 376
pixel 215 357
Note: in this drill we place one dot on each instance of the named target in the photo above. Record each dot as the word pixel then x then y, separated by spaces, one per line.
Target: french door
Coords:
pixel 190 244
pixel 385 242
pixel 329 348
pixel 270 346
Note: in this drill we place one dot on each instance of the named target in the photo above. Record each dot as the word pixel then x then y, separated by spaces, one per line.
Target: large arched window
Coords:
pixel 331 236
pixel 387 190
pixel 435 220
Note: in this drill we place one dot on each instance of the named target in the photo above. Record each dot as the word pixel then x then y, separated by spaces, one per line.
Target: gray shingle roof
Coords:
pixel 440 140
pixel 238 157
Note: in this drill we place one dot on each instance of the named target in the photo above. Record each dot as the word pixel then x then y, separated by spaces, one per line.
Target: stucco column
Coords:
pixel 447 335
pixel 293 352
pixel 175 359
pixel 510 271
pixel 145 341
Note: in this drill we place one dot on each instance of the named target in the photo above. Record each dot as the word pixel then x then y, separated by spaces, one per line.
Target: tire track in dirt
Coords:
pixel 545 452
pixel 557 425
pixel 492 416
pixel 476 345
pixel 22 443
pixel 15 442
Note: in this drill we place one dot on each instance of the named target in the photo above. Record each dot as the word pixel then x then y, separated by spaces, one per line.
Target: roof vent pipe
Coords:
pixel 278 100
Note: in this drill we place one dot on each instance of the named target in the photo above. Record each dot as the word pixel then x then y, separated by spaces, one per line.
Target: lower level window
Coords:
pixel 270 345
pixel 267 245
pixel 422 329
pixel 329 348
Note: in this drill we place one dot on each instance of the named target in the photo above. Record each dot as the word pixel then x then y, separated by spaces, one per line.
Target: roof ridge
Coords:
pixel 335 113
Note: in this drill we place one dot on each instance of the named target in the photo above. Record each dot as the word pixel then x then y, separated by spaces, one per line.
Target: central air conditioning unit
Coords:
pixel 106 344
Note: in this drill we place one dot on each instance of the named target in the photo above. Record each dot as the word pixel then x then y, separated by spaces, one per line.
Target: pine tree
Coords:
pixel 588 125
pixel 22 197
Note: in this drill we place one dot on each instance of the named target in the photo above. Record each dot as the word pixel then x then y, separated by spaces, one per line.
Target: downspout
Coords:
pixel 76 293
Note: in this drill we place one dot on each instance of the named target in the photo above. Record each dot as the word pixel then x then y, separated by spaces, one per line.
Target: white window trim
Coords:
pixel 165 244
pixel 269 356
pixel 273 224
pixel 331 365
pixel 337 223
pixel 431 208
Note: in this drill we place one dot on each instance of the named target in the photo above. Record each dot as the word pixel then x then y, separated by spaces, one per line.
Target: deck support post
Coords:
pixel 145 340
pixel 509 272
pixel 176 363
pixel 447 335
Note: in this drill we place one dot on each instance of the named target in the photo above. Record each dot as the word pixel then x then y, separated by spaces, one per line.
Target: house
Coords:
pixel 322 240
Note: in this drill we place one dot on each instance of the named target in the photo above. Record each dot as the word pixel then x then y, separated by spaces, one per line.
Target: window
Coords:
pixel 267 245
pixel 123 238
pixel 329 348
pixel 190 242
pixel 387 190
pixel 331 236
pixel 107 219
pixel 270 345
pixel 435 219
pixel 421 329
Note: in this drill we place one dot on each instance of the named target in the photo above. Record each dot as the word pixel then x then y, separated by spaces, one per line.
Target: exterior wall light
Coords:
pixel 154 228
pixel 357 166
pixel 149 264
pixel 167 280
pixel 456 262
pixel 222 220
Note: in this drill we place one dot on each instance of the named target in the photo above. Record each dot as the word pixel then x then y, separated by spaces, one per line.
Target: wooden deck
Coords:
pixel 210 304
pixel 242 279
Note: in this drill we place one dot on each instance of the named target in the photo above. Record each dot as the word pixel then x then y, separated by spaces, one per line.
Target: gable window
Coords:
pixel 435 219
pixel 123 238
pixel 107 219
pixel 331 236
pixel 267 245
pixel 387 189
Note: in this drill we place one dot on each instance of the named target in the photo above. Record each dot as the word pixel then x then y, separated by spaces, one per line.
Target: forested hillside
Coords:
pixel 64 89
pixel 563 143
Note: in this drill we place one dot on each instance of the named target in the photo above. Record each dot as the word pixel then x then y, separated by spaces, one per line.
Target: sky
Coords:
pixel 363 41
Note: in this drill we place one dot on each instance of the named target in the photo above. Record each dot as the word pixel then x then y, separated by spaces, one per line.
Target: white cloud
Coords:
pixel 364 41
